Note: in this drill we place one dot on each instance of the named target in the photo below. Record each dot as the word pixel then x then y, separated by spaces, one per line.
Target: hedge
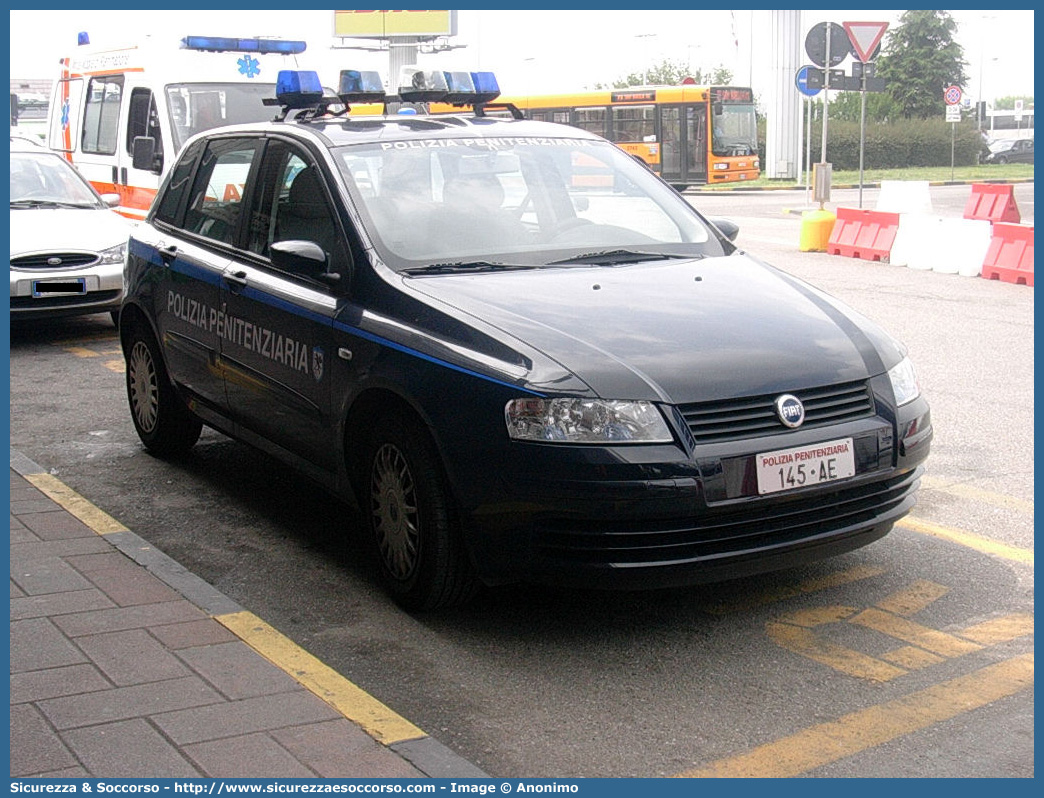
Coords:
pixel 896 145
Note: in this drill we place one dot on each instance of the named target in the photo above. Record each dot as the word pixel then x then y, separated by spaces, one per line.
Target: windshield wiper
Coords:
pixel 466 266
pixel 610 257
pixel 42 203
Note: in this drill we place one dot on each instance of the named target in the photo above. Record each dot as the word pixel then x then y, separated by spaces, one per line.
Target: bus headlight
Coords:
pixel 721 166
pixel 588 421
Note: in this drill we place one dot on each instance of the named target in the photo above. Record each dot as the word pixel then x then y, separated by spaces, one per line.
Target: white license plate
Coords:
pixel 802 466
pixel 59 287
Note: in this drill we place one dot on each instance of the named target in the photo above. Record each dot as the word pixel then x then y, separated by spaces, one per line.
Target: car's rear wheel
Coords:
pixel 422 559
pixel 163 422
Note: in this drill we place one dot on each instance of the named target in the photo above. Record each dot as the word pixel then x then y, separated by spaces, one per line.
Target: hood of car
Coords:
pixel 66 229
pixel 644 331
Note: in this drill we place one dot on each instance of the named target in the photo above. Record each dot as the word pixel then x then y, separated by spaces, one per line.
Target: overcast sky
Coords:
pixel 538 50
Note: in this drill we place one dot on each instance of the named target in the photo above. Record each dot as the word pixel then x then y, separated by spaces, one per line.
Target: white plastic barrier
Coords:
pixel 904 196
pixel 914 241
pixel 961 246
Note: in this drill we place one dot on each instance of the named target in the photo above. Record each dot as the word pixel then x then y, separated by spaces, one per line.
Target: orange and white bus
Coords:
pixel 688 134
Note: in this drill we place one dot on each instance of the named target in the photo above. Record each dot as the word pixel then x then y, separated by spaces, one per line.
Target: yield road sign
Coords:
pixel 952 95
pixel 865 37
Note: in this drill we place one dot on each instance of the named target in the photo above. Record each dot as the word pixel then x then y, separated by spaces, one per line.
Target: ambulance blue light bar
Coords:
pixel 223 44
pixel 357 86
pixel 298 88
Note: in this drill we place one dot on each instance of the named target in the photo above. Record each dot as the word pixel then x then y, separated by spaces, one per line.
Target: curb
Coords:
pixel 386 727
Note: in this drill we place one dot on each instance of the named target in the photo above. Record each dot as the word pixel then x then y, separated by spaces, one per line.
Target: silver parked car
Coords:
pixel 68 246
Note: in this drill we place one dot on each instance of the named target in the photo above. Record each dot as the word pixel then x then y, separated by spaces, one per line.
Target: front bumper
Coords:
pixel 646 520
pixel 102 291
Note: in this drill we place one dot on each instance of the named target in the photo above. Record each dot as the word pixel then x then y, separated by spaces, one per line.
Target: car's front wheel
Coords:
pixel 422 559
pixel 163 422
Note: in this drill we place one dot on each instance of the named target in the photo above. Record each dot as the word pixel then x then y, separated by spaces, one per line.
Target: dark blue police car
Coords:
pixel 523 354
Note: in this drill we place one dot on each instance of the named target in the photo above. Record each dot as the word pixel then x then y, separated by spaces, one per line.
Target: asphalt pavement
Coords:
pixel 125 665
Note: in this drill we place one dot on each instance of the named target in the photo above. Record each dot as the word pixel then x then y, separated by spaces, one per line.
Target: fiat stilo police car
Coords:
pixel 524 355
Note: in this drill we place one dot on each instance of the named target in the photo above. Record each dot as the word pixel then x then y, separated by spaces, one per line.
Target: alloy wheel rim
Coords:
pixel 393 499
pixel 144 388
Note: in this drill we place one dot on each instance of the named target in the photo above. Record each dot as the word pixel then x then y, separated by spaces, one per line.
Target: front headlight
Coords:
pixel 904 382
pixel 590 421
pixel 115 254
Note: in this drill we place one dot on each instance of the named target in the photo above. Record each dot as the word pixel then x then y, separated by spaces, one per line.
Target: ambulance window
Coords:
pixel 101 115
pixel 143 119
pixel 217 193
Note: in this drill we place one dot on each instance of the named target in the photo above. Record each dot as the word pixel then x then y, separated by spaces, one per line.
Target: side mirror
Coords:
pixel 144 155
pixel 112 200
pixel 303 257
pixel 726 227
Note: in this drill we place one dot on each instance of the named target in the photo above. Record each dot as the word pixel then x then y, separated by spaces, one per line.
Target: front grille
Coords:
pixel 750 526
pixel 754 416
pixel 69 260
pixel 40 303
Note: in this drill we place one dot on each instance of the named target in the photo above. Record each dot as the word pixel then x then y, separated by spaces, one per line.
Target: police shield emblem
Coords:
pixel 317 363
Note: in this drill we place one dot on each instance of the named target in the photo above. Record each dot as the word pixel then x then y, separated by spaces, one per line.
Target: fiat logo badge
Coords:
pixel 790 410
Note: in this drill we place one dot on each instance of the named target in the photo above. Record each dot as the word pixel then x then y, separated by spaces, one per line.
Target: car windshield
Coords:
pixel 517 201
pixel 41 178
pixel 1002 146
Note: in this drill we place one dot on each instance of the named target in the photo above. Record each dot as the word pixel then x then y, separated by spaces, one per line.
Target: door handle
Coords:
pixel 168 254
pixel 235 279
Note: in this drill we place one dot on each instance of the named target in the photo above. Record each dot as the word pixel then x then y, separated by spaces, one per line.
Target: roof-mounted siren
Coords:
pixel 297 89
pixel 82 38
pixel 223 44
pixel 418 86
pixel 486 87
pixel 358 86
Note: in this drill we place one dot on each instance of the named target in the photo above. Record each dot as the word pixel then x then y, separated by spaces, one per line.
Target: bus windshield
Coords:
pixel 735 129
pixel 195 107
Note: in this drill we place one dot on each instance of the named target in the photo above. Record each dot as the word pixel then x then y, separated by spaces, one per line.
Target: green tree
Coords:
pixel 671 73
pixel 846 106
pixel 919 60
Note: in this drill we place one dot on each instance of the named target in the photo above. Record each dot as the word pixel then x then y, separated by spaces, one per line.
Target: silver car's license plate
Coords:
pixel 802 466
pixel 59 287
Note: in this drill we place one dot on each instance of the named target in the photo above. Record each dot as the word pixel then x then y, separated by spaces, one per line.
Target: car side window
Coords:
pixel 102 115
pixel 172 197
pixel 219 187
pixel 292 205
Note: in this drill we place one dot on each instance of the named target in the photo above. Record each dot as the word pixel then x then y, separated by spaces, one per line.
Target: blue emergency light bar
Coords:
pixel 223 44
pixel 298 88
pixel 456 88
pixel 357 86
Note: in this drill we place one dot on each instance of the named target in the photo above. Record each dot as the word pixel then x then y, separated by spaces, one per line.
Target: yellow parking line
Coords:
pixel 978 494
pixel 1000 630
pixel 941 643
pixel 98 520
pixel 805 642
pixel 803 588
pixel 914 598
pixel 859 731
pixel 972 541
pixel 375 718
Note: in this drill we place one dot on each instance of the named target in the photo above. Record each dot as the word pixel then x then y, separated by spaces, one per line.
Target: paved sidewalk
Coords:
pixel 124 665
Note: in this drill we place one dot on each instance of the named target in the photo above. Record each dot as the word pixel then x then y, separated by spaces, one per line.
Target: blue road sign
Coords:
pixel 801 79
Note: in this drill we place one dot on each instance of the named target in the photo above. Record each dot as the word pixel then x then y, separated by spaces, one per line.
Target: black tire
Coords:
pixel 1002 159
pixel 422 560
pixel 115 316
pixel 163 422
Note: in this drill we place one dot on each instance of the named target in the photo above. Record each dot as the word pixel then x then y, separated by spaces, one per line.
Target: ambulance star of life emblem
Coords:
pixel 317 363
pixel 249 66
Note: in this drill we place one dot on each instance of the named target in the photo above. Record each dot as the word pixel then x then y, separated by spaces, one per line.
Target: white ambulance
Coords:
pixel 121 115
